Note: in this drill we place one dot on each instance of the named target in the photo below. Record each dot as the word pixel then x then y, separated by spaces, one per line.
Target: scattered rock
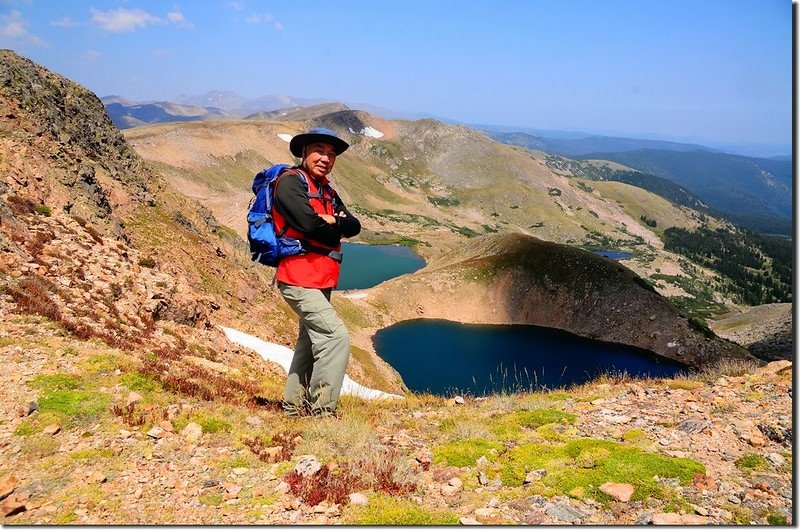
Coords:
pixel 358 499
pixel 482 461
pixel 133 398
pixel 240 471
pixel 254 421
pixel 12 506
pixel 534 475
pixel 156 432
pixel 677 519
pixel 776 434
pixel 618 492
pixel 468 521
pixel 52 429
pixel 282 488
pixel 756 439
pixel 776 459
pixel 565 513
pixel 775 367
pixel 459 400
pixel 692 426
pixel 166 425
pixel 308 465
pixel 452 487
pixel 483 480
pixel 7 485
pixel 192 432
pixel 233 489
pixel 96 477
pixel 32 407
pixel 489 516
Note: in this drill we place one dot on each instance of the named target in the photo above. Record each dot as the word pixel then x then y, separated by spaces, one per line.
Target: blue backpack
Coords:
pixel 267 247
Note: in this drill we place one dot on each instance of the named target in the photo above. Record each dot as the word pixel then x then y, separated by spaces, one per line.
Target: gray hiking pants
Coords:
pixel 321 354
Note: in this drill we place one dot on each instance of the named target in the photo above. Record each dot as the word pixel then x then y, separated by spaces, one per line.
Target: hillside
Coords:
pixel 577 147
pixel 126 403
pixel 736 185
pixel 126 114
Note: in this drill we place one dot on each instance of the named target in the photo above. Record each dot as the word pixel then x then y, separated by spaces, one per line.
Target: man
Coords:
pixel 312 212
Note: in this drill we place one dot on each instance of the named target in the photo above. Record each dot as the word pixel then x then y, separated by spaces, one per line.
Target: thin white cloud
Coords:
pixel 14 32
pixel 91 56
pixel 123 20
pixel 278 26
pixel 177 18
pixel 65 22
pixel 236 6
pixel 260 18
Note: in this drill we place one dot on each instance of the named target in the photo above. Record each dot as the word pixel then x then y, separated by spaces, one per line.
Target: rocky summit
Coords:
pixel 125 403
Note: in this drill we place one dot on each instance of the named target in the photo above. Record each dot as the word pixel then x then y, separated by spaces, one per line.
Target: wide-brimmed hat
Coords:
pixel 317 135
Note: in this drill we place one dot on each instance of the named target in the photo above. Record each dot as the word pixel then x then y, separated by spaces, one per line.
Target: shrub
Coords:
pixel 147 262
pixel 751 461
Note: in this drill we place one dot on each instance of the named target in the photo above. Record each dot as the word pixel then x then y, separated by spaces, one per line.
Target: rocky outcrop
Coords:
pixel 766 330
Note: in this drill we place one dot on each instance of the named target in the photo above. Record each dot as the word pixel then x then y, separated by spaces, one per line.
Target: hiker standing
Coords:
pixel 312 212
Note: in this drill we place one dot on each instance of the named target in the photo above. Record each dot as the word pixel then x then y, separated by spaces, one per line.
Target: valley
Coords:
pixel 123 262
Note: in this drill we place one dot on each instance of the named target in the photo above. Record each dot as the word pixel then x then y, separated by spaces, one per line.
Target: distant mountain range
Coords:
pixel 753 192
pixel 589 144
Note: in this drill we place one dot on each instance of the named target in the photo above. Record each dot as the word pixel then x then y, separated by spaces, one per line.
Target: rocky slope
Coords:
pixel 765 330
pixel 88 439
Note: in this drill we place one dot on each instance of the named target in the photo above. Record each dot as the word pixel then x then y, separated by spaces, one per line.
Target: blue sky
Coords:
pixel 691 69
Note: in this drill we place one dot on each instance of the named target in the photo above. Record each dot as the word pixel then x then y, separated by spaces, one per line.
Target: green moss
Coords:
pixel 392 511
pixel 93 453
pixel 508 426
pixel 40 445
pixel 238 461
pixel 465 452
pixel 633 435
pixel 26 428
pixel 65 517
pixel 557 396
pixel 140 382
pixel 74 406
pixel 777 519
pixel 210 424
pixel 751 461
pixel 583 465
pixel 103 363
pixel 55 382
pixel 211 499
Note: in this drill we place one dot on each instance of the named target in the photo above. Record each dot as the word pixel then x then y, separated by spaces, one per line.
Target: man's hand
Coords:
pixel 331 219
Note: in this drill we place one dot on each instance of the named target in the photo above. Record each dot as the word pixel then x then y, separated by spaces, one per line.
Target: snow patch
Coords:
pixel 283 356
pixel 285 137
pixel 355 296
pixel 367 131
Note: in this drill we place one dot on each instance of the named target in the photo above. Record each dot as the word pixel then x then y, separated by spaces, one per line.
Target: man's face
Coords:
pixel 319 159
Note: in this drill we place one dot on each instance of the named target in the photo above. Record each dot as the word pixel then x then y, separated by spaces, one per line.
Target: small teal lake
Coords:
pixel 366 266
pixel 444 358
pixel 613 254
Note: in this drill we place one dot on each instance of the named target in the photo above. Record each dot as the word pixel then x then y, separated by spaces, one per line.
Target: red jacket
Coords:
pixel 297 211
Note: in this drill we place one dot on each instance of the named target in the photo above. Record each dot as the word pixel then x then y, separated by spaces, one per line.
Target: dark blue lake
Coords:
pixel 444 358
pixel 366 266
pixel 613 254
